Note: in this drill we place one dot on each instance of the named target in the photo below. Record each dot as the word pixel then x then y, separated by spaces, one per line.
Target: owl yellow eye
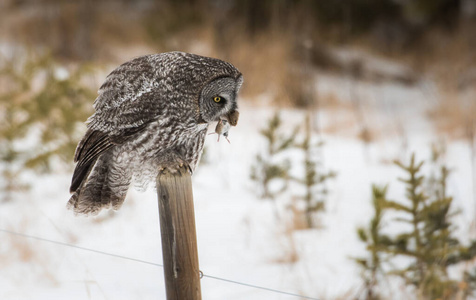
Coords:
pixel 217 99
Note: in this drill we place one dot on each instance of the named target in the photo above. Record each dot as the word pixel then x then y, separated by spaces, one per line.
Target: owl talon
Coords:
pixel 187 167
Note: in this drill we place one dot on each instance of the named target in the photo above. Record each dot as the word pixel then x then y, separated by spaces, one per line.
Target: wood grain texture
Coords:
pixel 179 239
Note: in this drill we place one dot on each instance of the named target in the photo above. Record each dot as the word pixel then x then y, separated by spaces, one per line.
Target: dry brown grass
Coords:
pixel 455 118
pixel 289 253
pixel 455 112
pixel 451 63
pixel 26 256
pixel 297 216
pixel 292 221
pixel 345 118
pixel 265 63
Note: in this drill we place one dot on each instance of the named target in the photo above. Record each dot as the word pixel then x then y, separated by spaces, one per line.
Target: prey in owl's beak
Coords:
pixel 225 123
pixel 232 117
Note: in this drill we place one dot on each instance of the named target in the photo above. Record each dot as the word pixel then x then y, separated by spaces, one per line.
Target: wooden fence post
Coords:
pixel 179 238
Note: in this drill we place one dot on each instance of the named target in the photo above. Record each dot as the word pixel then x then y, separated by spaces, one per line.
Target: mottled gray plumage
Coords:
pixel 151 113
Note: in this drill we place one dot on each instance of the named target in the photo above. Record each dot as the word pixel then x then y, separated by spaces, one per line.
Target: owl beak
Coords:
pixel 232 117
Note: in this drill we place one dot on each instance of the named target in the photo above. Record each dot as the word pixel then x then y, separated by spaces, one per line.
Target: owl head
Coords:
pixel 218 99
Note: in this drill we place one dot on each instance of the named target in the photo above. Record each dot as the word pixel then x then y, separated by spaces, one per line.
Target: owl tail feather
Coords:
pixel 105 187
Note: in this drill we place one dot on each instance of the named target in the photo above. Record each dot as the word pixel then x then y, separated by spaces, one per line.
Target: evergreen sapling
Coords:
pixel 427 240
pixel 50 109
pixel 314 180
pixel 268 167
pixel 371 266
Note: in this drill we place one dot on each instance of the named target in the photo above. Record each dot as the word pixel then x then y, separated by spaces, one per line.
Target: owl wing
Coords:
pixel 129 97
pixel 127 102
pixel 89 148
pixel 93 144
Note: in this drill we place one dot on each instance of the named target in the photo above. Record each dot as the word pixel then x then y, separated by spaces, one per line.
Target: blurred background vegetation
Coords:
pixel 51 48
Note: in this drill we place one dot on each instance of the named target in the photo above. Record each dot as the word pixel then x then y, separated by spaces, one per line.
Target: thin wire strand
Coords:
pixel 258 287
pixel 80 248
pixel 151 263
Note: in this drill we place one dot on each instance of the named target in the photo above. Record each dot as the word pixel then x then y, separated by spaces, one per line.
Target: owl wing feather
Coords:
pixel 120 113
pixel 93 144
pixel 128 98
pixel 127 102
pixel 89 144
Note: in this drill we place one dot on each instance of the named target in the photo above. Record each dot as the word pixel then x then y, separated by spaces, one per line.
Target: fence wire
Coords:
pixel 151 263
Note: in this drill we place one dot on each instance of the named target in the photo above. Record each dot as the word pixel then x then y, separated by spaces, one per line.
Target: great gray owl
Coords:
pixel 151 113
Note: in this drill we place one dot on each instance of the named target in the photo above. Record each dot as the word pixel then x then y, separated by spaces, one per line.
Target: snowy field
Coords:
pixel 239 236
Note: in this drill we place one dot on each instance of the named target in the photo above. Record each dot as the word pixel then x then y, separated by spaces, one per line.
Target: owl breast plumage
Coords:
pixel 151 113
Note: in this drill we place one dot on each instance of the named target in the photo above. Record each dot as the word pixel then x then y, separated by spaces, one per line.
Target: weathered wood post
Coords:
pixel 179 238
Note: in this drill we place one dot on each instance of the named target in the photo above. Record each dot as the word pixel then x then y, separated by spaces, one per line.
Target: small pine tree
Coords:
pixel 267 168
pixel 15 85
pixel 374 239
pixel 468 285
pixel 34 98
pixel 12 129
pixel 314 180
pixel 56 109
pixel 428 243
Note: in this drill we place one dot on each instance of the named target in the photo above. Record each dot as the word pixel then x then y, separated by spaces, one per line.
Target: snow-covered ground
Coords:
pixel 239 236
